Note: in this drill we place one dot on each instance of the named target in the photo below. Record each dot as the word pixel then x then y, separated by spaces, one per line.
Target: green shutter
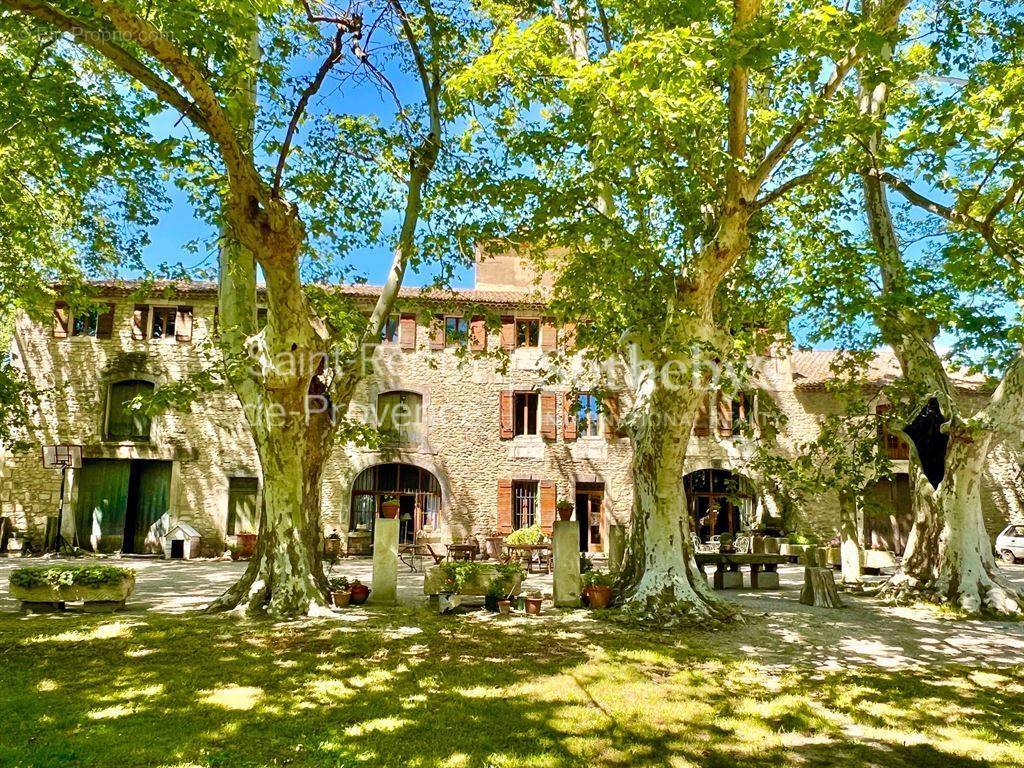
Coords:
pixel 154 498
pixel 124 422
pixel 102 502
pixel 242 514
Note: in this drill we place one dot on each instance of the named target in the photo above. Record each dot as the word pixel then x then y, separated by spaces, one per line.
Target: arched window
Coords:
pixel 400 415
pixel 123 421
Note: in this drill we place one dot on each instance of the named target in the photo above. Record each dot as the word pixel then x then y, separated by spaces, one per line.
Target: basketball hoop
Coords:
pixel 62 457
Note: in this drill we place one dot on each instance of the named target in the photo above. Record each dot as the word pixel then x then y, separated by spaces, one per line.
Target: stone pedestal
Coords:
pixel 616 547
pixel 765 580
pixel 385 562
pixel 565 552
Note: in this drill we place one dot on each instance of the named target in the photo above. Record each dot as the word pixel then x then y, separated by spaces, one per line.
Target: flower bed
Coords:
pixel 104 585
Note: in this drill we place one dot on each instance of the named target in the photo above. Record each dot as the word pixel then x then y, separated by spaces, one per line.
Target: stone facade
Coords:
pixel 459 441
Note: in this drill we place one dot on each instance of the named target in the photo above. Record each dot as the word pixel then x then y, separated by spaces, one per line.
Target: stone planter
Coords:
pixel 435 582
pixel 771 545
pixel 103 597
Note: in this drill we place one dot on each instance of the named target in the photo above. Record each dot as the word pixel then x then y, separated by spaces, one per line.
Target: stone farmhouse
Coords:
pixel 482 447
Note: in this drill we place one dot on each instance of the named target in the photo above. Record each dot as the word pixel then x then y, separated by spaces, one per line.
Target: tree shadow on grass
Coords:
pixel 408 688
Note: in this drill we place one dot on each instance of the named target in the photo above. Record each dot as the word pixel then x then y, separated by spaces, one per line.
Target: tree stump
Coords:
pixel 820 588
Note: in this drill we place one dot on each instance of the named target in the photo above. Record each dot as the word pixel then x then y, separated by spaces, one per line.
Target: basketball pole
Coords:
pixel 60 544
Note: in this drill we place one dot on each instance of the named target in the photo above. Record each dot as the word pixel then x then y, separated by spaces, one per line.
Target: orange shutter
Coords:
pixel 477 334
pixel 702 422
pixel 508 333
pixel 437 332
pixel 506 404
pixel 183 324
pixel 547 505
pixel 568 335
pixel 504 506
pixel 569 430
pixel 548 335
pixel 548 416
pixel 724 415
pixel 140 319
pixel 407 332
pixel 612 426
pixel 61 320
pixel 105 323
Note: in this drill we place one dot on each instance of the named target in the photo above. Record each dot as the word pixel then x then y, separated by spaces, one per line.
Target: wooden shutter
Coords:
pixel 140 320
pixel 506 405
pixel 61 320
pixel 547 505
pixel 702 422
pixel 407 332
pixel 724 415
pixel 548 335
pixel 183 324
pixel 504 506
pixel 569 430
pixel 548 416
pixel 612 425
pixel 568 335
pixel 508 333
pixel 477 334
pixel 105 323
pixel 437 332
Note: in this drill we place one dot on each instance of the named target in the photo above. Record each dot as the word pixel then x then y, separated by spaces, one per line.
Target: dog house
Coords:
pixel 182 542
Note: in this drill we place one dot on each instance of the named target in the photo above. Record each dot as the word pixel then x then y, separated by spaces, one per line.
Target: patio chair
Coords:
pixel 700 546
pixel 438 559
pixel 742 544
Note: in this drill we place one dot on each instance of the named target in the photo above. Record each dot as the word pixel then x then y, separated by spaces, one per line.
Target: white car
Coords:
pixel 1010 543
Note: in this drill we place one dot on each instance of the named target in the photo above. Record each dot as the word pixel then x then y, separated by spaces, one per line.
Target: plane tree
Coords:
pixel 296 129
pixel 648 150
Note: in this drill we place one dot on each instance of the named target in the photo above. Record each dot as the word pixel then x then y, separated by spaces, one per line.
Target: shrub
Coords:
pixel 338 583
pixel 597 578
pixel 69 576
pixel 530 535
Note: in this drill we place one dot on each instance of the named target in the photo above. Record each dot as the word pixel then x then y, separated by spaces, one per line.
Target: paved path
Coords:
pixel 777 630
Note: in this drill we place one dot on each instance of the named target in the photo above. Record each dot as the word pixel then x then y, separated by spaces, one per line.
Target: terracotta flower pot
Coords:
pixel 565 514
pixel 246 545
pixel 600 595
pixel 340 598
pixel 389 510
pixel 504 607
pixel 358 593
pixel 533 605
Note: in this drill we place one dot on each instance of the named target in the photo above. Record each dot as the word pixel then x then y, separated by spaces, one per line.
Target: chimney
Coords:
pixel 506 270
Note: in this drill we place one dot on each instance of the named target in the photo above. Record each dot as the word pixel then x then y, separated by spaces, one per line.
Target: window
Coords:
pixel 243 514
pixel 456 331
pixel 86 324
pixel 525 413
pixel 389 333
pixel 894 445
pixel 125 422
pixel 400 414
pixel 163 322
pixel 528 333
pixel 742 411
pixel 524 504
pixel 588 415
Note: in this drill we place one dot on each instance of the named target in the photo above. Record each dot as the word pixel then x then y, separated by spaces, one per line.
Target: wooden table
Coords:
pixel 463 551
pixel 723 561
pixel 526 552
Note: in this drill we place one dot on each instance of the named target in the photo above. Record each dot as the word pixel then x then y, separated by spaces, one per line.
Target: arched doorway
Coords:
pixel 718 501
pixel 418 493
pixel 888 516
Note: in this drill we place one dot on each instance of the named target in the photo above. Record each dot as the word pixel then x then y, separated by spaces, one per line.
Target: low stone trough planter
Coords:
pixel 99 588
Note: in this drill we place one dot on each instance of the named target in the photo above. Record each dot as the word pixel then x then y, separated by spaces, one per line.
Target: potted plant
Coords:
pixel 494 541
pixel 495 594
pixel 389 507
pixel 564 508
pixel 599 588
pixel 533 604
pixel 246 545
pixel 358 592
pixel 100 587
pixel 340 591
pixel 504 607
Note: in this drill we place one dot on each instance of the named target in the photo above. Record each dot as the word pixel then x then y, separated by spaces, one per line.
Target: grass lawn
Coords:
pixel 408 688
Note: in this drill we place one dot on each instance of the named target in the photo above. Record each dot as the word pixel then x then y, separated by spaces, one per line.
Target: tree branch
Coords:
pixel 885 21
pixel 337 51
pixel 784 188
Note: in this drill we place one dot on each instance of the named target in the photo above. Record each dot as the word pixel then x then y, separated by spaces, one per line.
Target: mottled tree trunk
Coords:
pixel 660 579
pixel 949 555
pixel 850 533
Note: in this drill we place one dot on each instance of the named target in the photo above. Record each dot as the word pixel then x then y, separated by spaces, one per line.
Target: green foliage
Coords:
pixel 338 583
pixel 598 578
pixel 58 576
pixel 531 534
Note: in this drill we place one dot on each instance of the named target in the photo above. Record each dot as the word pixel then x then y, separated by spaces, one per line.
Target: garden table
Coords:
pixel 463 551
pixel 527 551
